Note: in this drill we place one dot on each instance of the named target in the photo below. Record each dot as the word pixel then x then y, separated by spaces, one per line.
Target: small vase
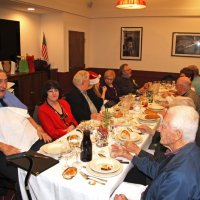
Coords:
pixel 102 137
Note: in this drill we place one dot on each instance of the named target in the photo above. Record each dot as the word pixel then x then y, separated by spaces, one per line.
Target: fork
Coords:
pixel 98 180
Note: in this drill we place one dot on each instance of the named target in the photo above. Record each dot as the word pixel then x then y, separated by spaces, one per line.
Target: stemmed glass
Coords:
pixel 74 143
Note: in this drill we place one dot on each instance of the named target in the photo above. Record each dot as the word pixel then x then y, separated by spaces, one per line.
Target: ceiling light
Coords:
pixel 131 4
pixel 31 9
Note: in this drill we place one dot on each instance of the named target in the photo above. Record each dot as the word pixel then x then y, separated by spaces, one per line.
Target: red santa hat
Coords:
pixel 94 78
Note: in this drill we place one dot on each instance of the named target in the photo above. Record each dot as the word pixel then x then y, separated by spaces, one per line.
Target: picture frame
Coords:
pixel 131 43
pixel 185 44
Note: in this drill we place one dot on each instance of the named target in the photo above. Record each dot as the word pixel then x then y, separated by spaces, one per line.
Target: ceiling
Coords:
pixel 106 8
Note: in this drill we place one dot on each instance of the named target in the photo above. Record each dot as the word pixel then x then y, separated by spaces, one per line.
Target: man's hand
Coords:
pixel 8 149
pixel 145 129
pixel 120 151
pixel 120 197
pixel 132 147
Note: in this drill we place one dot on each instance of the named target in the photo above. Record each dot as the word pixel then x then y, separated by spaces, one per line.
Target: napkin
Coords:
pixel 130 190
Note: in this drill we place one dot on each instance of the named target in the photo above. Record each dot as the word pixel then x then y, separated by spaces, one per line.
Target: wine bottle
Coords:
pixel 86 147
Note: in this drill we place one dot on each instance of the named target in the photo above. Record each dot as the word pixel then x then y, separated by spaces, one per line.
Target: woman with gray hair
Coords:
pixel 85 104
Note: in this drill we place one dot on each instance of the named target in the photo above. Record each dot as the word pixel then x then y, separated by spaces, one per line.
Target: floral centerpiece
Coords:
pixel 102 132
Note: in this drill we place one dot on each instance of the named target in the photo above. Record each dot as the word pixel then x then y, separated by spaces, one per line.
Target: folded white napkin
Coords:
pixel 130 190
pixel 15 128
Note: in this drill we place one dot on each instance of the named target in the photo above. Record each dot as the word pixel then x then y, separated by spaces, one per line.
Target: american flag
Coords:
pixel 44 49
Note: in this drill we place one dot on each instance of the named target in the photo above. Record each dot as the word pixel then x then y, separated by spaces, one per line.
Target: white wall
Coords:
pixel 30 29
pixel 156 43
pixel 102 46
pixel 53 27
pixel 80 24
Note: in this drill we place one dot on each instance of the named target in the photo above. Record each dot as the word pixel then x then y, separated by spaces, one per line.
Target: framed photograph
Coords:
pixel 131 43
pixel 186 44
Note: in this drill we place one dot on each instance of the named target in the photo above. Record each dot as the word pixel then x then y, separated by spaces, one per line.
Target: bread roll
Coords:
pixel 69 173
pixel 125 135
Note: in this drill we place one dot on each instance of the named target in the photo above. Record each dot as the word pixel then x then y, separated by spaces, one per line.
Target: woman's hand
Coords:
pixel 97 116
pixel 43 135
pixel 70 128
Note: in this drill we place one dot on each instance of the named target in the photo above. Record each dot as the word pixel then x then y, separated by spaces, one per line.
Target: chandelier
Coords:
pixel 131 4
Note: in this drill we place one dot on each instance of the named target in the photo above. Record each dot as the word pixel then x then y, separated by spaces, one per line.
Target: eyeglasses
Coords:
pixel 109 79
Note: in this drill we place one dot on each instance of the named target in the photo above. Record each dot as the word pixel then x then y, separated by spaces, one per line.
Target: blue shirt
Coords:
pixel 12 101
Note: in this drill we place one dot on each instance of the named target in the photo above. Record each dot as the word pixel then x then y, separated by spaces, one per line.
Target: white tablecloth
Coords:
pixel 51 185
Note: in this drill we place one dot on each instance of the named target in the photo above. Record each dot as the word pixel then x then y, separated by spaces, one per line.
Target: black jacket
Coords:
pixel 79 106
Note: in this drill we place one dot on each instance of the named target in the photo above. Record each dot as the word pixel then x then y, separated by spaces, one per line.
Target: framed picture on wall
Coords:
pixel 131 43
pixel 185 44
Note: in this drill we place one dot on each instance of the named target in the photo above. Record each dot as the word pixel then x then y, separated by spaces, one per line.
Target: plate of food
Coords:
pixel 105 165
pixel 152 117
pixel 155 107
pixel 127 135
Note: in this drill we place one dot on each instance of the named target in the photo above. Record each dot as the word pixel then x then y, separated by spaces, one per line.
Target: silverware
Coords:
pixel 98 180
pixel 123 162
pixel 101 155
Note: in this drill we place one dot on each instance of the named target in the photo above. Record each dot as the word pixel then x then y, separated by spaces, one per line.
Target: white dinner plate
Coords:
pixel 103 175
pixel 105 165
pixel 54 148
pixel 155 107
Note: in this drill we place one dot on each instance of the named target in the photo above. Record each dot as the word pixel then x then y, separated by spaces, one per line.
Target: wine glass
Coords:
pixel 74 143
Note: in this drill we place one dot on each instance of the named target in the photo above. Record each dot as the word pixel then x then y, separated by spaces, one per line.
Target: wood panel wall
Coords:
pixel 141 77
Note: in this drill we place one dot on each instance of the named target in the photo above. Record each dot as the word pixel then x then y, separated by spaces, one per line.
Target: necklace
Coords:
pixel 63 115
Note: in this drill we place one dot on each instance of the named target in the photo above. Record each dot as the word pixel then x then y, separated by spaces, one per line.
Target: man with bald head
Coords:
pixel 183 87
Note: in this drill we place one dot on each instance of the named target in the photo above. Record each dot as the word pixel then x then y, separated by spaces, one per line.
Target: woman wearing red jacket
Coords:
pixel 55 114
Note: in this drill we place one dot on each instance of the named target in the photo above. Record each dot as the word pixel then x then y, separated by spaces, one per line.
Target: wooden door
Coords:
pixel 76 50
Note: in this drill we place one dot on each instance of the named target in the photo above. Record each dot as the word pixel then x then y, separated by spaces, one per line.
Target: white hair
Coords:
pixel 80 77
pixel 185 119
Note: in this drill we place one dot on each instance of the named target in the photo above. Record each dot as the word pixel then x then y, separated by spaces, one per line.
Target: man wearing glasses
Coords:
pixel 176 177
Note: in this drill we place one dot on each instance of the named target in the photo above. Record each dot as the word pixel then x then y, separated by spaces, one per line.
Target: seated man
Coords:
pixel 85 104
pixel 127 84
pixel 15 125
pixel 170 177
pixel 183 87
pixel 125 81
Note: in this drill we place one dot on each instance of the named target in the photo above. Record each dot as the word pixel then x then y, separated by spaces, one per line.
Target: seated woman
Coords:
pixel 55 114
pixel 95 85
pixel 112 93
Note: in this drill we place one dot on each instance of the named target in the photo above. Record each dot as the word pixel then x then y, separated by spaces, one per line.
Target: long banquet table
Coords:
pixel 52 186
